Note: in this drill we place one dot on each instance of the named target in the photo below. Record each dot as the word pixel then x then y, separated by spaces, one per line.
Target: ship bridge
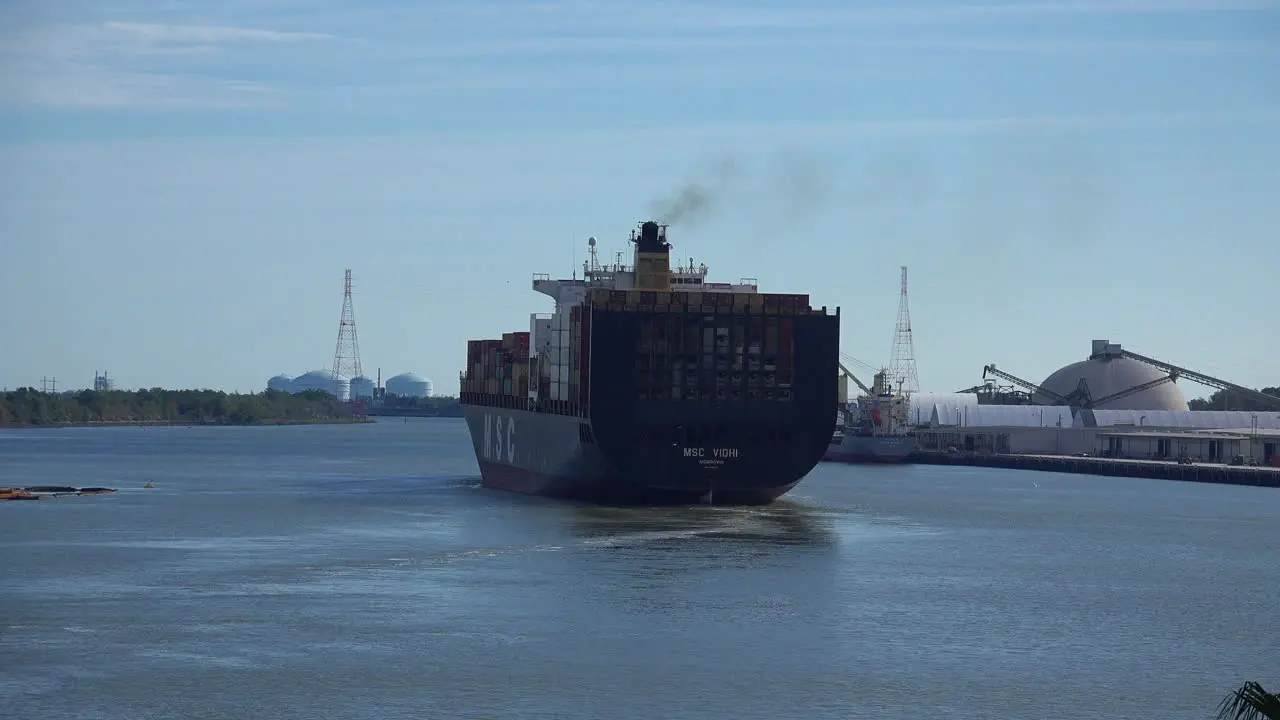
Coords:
pixel 649 271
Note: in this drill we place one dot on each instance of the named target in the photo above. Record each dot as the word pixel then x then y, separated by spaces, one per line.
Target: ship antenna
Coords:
pixel 591 250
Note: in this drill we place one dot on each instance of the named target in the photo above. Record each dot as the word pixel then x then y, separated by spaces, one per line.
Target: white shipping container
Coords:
pixel 539 333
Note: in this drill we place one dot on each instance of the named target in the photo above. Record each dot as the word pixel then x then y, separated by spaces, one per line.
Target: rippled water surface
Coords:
pixel 361 572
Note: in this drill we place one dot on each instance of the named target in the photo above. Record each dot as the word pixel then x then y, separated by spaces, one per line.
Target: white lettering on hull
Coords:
pixel 723 453
pixel 499 439
pixel 712 457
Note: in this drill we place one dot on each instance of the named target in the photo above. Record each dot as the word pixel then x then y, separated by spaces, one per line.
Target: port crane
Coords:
pixel 1082 398
pixel 1203 379
pixel 877 373
pixel 844 370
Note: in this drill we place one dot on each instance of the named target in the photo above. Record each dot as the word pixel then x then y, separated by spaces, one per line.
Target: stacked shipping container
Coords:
pixel 498 367
pixel 711 346
pixel 569 355
pixel 691 346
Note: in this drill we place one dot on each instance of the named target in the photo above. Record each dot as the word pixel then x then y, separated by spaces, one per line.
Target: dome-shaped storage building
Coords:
pixel 409 385
pixel 1106 372
pixel 322 380
pixel 361 387
pixel 282 383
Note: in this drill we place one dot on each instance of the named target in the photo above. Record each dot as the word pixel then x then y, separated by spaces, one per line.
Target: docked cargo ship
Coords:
pixel 874 428
pixel 649 384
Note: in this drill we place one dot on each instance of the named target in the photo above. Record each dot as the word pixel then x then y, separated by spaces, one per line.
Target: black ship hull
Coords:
pixel 556 456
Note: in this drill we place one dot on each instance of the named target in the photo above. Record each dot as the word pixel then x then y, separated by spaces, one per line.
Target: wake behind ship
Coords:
pixel 650 385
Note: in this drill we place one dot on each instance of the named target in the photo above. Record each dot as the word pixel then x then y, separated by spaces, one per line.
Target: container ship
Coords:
pixel 874 428
pixel 650 385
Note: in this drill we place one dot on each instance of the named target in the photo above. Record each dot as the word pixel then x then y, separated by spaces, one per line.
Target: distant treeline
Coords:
pixel 30 407
pixel 1232 400
pixel 443 406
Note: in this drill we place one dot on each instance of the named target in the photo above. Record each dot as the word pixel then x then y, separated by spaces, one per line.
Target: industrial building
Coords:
pixel 1107 377
pixel 409 385
pixel 1220 446
pixel 1056 430
pixel 923 406
pixel 1115 403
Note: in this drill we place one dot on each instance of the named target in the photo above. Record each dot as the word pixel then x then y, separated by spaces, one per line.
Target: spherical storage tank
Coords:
pixel 283 383
pixel 1107 375
pixel 409 385
pixel 322 380
pixel 361 387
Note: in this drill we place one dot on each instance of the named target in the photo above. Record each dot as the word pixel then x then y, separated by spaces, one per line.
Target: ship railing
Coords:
pixel 518 402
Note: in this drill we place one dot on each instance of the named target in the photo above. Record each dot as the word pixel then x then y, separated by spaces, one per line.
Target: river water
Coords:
pixel 361 572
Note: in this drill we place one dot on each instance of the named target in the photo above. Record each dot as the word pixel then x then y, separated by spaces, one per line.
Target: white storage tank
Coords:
pixel 282 383
pixel 409 385
pixel 361 387
pixel 322 380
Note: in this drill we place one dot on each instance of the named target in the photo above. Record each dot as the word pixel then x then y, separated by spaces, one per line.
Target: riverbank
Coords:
pixel 456 412
pixel 1199 472
pixel 98 408
pixel 49 492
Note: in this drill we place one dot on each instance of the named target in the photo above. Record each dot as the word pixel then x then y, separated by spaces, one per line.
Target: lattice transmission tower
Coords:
pixel 902 362
pixel 346 356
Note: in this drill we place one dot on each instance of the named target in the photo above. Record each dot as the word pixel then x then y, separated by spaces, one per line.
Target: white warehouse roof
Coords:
pixel 1002 416
pixel 923 404
pixel 1196 419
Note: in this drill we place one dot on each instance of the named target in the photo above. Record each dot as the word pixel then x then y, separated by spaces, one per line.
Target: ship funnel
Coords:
pixel 649 233
pixel 653 266
pixel 651 238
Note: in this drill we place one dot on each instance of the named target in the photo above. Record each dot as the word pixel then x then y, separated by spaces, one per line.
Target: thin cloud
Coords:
pixel 638 17
pixel 1088 47
pixel 105 65
pixel 917 127
pixel 420 49
pixel 89 86
pixel 207 34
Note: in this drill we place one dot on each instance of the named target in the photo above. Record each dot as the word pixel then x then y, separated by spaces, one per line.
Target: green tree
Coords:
pixel 27 406
pixel 1231 400
pixel 1250 701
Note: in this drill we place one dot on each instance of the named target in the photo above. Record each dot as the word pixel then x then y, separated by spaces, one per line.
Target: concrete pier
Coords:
pixel 1162 470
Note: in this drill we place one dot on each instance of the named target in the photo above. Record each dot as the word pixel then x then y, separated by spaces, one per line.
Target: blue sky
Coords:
pixel 183 183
